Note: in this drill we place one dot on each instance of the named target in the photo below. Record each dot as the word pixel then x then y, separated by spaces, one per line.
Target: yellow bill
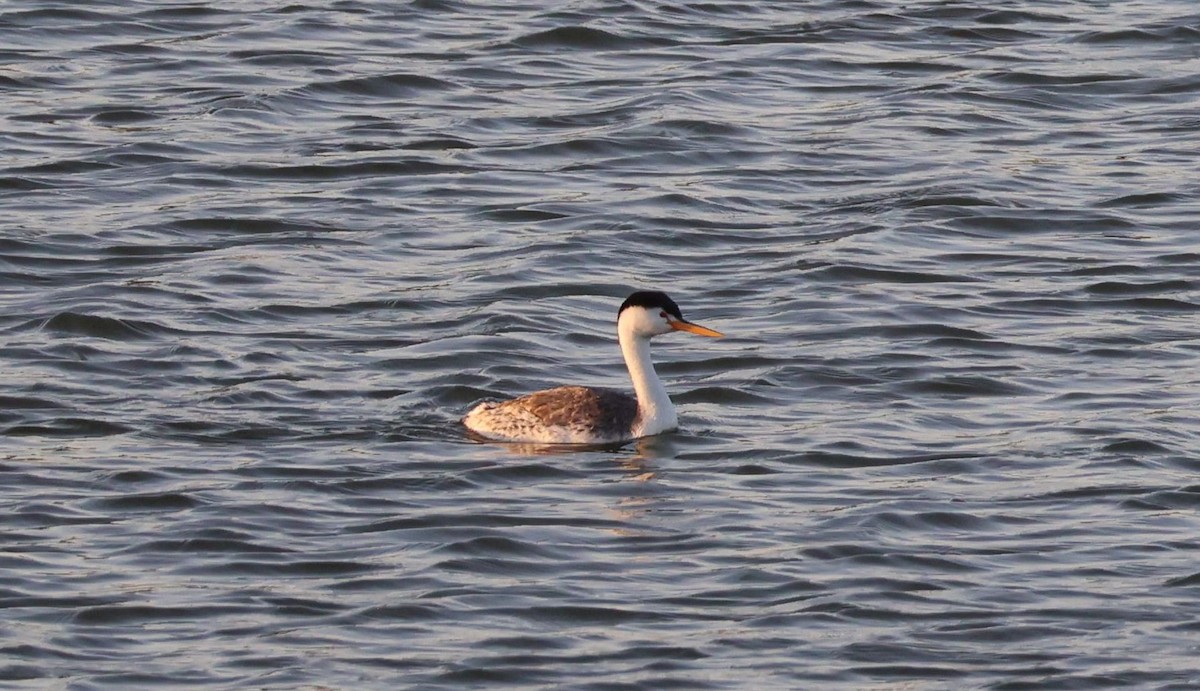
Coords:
pixel 695 329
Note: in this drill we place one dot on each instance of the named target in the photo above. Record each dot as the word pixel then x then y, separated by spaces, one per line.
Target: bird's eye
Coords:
pixel 663 315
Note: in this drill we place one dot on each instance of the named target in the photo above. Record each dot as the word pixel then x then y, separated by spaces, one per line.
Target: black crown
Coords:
pixel 651 300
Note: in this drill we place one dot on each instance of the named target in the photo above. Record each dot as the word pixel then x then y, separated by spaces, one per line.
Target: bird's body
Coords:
pixel 582 415
pixel 562 415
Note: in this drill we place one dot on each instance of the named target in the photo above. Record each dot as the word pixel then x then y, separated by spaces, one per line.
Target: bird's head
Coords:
pixel 649 313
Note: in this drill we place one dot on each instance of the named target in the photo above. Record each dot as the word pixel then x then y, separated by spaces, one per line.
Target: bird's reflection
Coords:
pixel 637 460
pixel 637 456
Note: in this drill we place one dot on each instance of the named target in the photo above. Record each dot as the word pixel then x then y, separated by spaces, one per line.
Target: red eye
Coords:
pixel 663 315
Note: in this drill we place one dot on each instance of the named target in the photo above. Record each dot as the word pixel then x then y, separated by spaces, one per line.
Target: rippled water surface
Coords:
pixel 257 258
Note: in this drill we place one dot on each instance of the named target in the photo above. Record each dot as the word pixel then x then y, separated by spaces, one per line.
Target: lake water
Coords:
pixel 258 258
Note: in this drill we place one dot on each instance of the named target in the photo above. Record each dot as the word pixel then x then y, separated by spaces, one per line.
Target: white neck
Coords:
pixel 656 413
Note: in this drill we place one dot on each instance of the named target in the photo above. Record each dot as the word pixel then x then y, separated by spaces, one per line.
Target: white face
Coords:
pixel 646 322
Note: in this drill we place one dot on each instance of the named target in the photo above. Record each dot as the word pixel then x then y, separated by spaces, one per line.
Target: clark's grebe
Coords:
pixel 582 415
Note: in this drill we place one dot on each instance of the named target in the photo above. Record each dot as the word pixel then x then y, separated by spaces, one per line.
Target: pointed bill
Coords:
pixel 695 329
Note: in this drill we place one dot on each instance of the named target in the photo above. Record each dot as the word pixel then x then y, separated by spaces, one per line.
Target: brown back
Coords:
pixel 581 407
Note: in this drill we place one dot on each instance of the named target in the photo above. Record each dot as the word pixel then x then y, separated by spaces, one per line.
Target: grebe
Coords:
pixel 583 415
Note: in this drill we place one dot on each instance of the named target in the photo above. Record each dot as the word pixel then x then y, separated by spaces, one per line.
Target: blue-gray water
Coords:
pixel 256 259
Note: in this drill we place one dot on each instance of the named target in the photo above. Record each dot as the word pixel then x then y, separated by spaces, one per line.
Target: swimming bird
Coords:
pixel 585 415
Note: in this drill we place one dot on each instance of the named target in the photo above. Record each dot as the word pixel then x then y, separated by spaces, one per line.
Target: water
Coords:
pixel 256 259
